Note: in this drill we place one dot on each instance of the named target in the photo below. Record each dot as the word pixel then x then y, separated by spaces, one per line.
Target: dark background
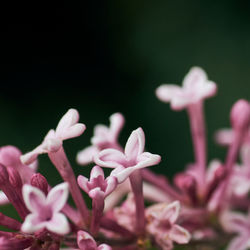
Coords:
pixel 101 57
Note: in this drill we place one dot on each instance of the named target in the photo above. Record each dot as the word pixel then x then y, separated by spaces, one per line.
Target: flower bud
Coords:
pixel 240 115
pixel 14 178
pixel 4 176
pixel 39 181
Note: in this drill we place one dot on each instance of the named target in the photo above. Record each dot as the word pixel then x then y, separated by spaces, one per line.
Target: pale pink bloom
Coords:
pixel 10 157
pixel 86 242
pixel 68 127
pixel 161 223
pixel 97 188
pixel 195 88
pixel 97 185
pixel 104 137
pixel 132 159
pixel 45 211
pixel 234 222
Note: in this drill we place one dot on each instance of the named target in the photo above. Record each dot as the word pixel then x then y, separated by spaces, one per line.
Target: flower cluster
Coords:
pixel 200 207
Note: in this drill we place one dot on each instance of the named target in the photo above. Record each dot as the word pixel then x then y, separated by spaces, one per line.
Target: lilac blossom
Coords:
pixel 98 188
pixel 196 87
pixel 68 127
pixel 104 137
pixel 45 211
pixel 162 225
pixel 199 206
pixel 128 164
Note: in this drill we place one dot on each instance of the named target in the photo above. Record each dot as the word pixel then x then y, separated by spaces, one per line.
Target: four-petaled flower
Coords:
pixel 68 127
pixel 104 137
pixel 97 186
pixel 162 225
pixel 132 159
pixel 195 87
pixel 45 211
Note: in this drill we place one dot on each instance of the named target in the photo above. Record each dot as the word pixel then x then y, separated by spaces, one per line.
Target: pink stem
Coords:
pixel 59 159
pixel 97 212
pixel 112 225
pixel 136 184
pixel 160 182
pixel 198 130
pixel 9 222
pixel 71 213
pixel 229 163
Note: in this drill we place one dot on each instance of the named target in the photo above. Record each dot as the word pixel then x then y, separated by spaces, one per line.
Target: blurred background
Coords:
pixel 101 57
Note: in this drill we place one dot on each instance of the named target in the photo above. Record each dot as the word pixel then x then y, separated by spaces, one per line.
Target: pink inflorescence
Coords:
pixel 207 204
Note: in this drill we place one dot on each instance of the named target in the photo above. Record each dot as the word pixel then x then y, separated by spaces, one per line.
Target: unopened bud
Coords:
pixel 4 176
pixel 187 184
pixel 14 178
pixel 39 181
pixel 240 115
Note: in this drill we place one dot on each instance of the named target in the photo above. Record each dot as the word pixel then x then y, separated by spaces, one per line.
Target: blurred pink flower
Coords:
pixel 196 87
pixel 104 137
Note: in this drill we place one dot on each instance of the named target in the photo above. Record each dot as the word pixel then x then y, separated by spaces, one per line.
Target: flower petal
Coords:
pixel 179 234
pixel 147 159
pixel 85 241
pixel 34 198
pixel 58 196
pixel 234 221
pixel 104 247
pixel 171 212
pixel 194 77
pixel 82 182
pixel 166 92
pixel 224 136
pixel 111 185
pixel 95 172
pixel 69 119
pixel 74 131
pixel 32 224
pixel 240 243
pixel 116 124
pixel 135 144
pixel 101 135
pixel 110 158
pixel 3 198
pixel 208 89
pixel 68 127
pixel 58 224
pixel 86 155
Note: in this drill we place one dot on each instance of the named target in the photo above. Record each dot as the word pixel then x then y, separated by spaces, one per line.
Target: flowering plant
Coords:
pixel 204 207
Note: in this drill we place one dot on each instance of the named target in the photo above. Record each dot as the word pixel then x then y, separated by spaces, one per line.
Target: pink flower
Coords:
pixel 45 211
pixel 132 159
pixel 196 87
pixel 104 137
pixel 68 127
pixel 97 186
pixel 86 242
pixel 234 222
pixel 162 225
